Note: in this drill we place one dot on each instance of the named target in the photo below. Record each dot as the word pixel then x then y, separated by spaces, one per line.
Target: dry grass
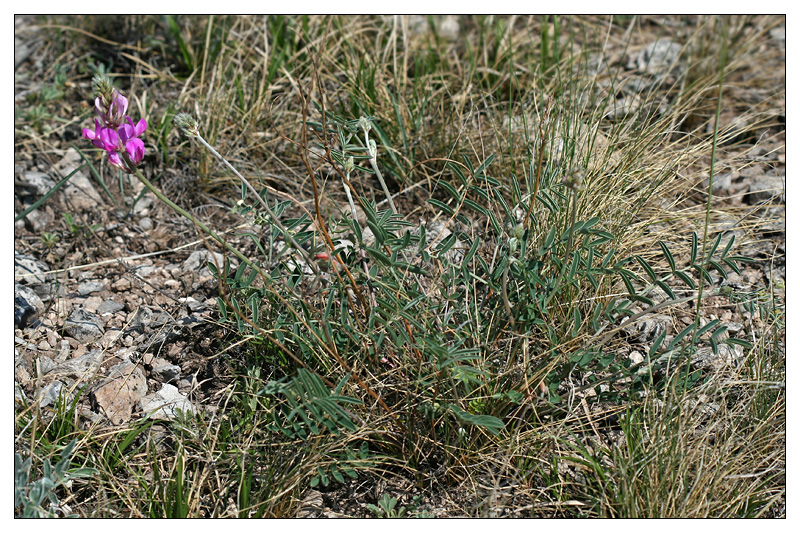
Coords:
pixel 253 83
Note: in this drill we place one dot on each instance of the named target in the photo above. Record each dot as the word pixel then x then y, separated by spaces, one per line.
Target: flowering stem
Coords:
pixel 714 142
pixel 264 204
pixel 353 212
pixel 372 149
pixel 350 199
pixel 374 164
pixel 189 216
pixel 506 303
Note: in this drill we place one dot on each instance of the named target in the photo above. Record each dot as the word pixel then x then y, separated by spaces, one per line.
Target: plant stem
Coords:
pixel 355 221
pixel 350 199
pixel 172 205
pixel 265 205
pixel 506 303
pixel 569 247
pixel 373 161
pixel 374 164
pixel 703 259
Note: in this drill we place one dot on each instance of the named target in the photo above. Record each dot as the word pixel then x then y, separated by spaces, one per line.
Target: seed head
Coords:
pixel 187 124
pixel 517 231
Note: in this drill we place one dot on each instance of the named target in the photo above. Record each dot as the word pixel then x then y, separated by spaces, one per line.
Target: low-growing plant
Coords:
pixel 489 315
pixel 78 229
pixel 387 508
pixel 49 239
pixel 38 498
pixel 381 305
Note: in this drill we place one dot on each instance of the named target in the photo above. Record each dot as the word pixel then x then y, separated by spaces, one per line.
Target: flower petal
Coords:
pixel 138 129
pixel 125 133
pixel 115 159
pixel 135 149
pixel 141 127
pixel 98 106
pixel 118 108
pixel 109 138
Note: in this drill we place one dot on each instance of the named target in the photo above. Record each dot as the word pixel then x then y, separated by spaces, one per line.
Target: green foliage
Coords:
pixel 387 508
pixel 169 497
pixel 60 428
pixel 342 464
pixel 116 454
pixel 30 495
pixel 469 324
pixel 76 228
pixel 310 406
pixel 532 286
pixel 38 117
pixel 549 47
pixel 49 239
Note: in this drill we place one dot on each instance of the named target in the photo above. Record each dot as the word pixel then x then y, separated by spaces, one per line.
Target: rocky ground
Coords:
pixel 125 303
pixel 125 306
pixel 132 323
pixel 118 299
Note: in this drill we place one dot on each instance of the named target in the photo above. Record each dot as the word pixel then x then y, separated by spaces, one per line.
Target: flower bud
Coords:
pixel 110 105
pixel 102 88
pixel 513 244
pixel 373 149
pixel 349 165
pixel 117 109
pixel 365 124
pixel 325 262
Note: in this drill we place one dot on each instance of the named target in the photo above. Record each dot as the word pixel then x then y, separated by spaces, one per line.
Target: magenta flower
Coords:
pixel 129 135
pixel 113 113
pixel 129 131
pixel 110 134
pixel 135 149
pixel 102 137
pixel 116 161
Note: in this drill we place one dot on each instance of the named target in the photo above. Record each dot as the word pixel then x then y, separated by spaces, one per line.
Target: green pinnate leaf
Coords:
pixel 668 255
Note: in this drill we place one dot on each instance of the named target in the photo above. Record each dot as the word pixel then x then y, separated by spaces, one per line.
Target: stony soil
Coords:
pixel 122 301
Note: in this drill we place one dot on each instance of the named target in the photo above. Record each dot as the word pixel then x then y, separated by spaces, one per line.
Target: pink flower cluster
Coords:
pixel 114 136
